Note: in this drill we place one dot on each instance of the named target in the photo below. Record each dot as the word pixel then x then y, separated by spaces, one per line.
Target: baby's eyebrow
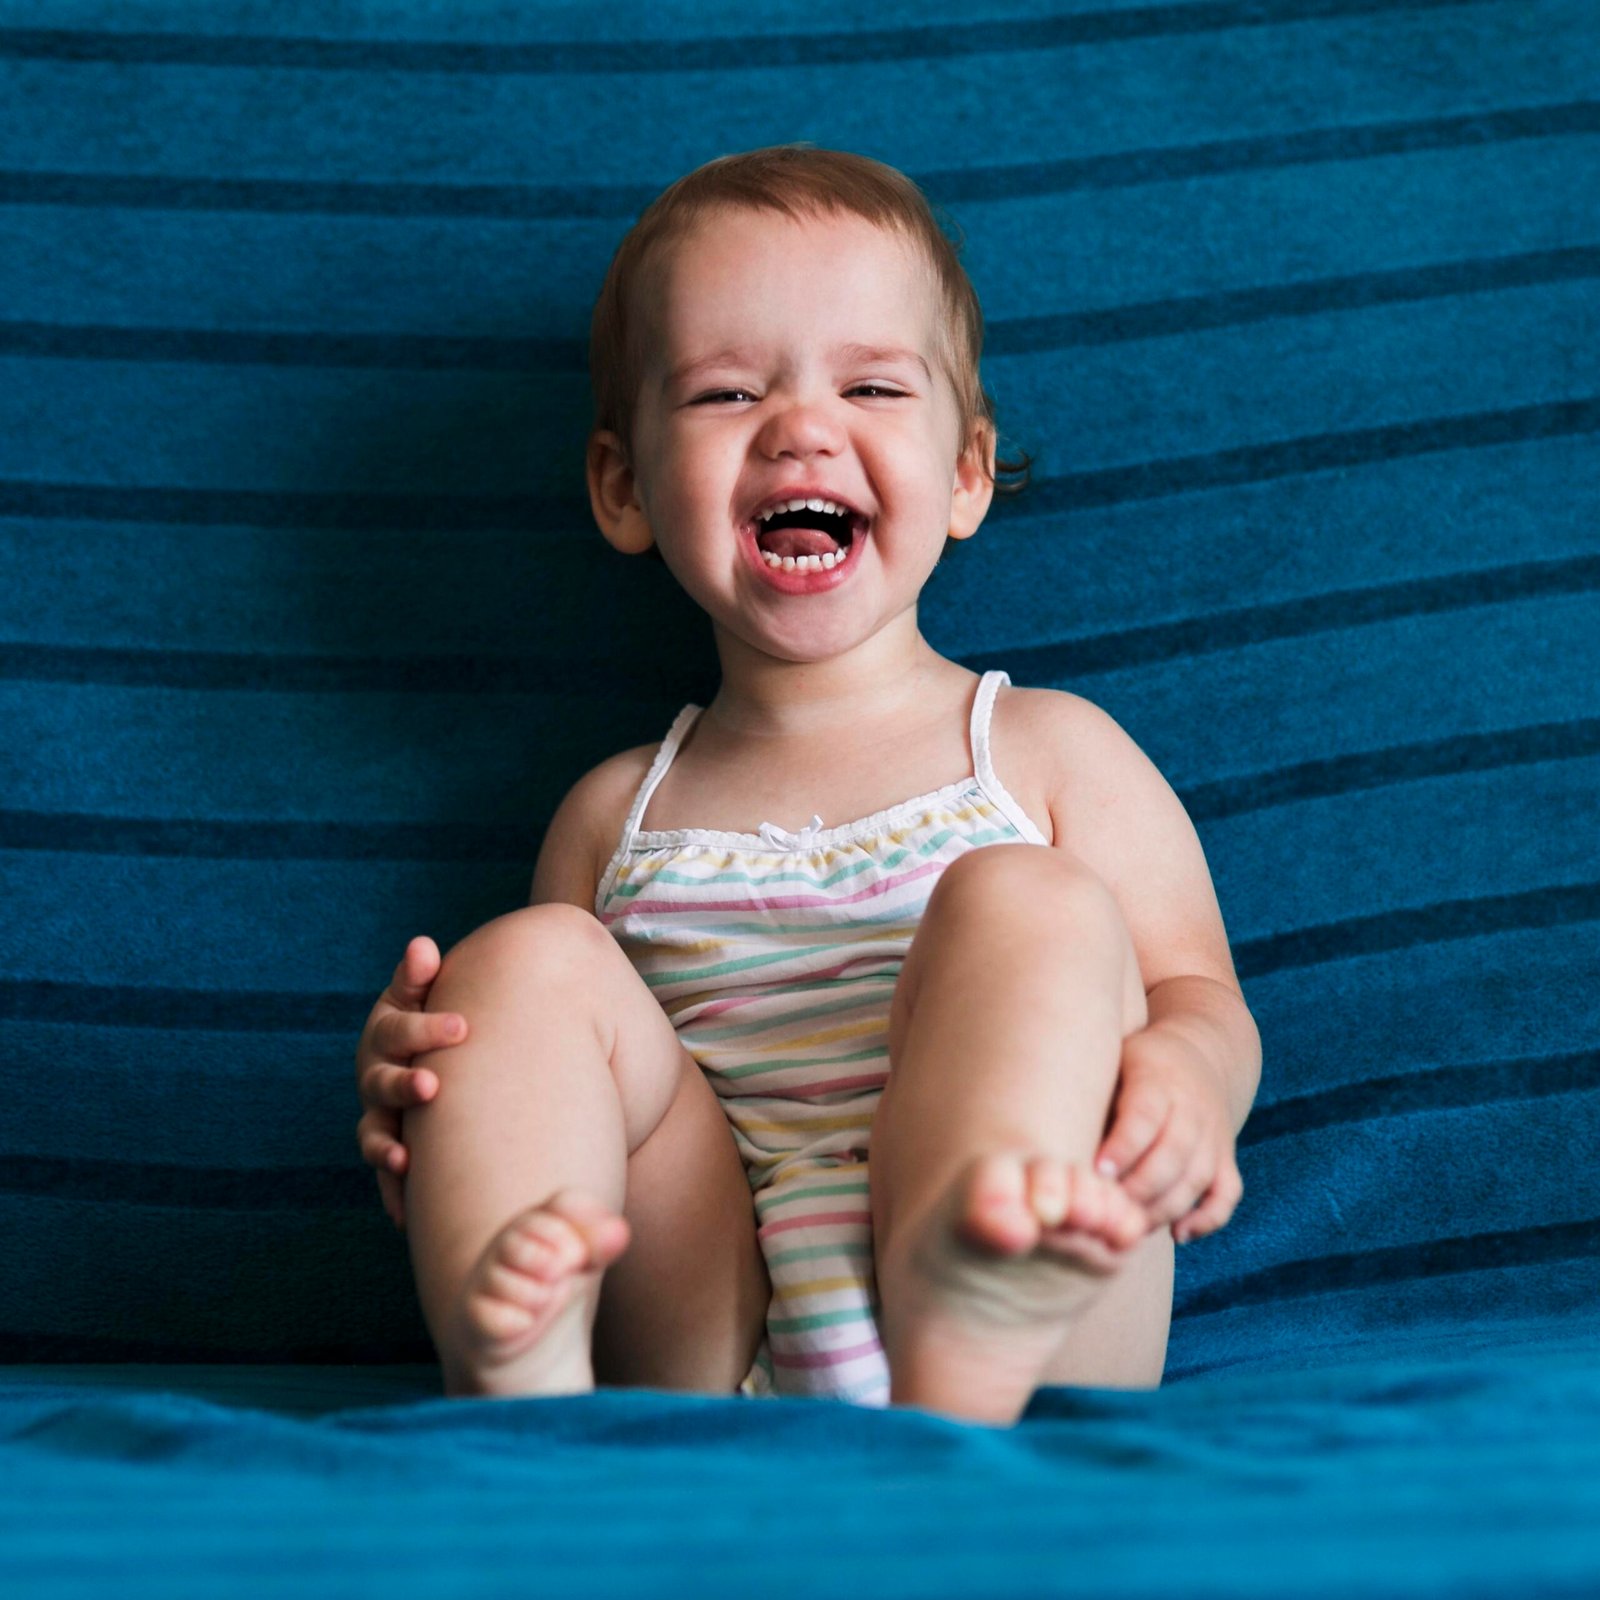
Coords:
pixel 845 352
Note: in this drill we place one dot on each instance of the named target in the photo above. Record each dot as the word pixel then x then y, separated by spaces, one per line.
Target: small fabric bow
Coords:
pixel 782 838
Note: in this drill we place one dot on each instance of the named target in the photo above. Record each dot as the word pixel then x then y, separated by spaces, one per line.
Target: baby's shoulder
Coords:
pixel 623 771
pixel 1046 732
pixel 609 787
pixel 1035 710
pixel 1074 756
pixel 587 825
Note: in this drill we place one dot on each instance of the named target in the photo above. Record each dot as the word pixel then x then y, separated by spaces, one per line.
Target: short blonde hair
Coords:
pixel 796 180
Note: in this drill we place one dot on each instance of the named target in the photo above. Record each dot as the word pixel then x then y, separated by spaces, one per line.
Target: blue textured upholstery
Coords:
pixel 1295 306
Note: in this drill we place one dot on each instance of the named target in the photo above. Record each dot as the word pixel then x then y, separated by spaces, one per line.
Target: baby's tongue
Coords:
pixel 795 541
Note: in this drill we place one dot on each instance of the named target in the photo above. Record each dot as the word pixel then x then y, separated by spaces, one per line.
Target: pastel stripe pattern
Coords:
pixel 775 954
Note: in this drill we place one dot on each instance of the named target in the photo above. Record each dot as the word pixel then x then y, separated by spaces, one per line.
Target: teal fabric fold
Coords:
pixel 1403 1474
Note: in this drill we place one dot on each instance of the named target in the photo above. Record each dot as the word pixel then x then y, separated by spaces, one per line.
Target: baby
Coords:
pixel 907 1109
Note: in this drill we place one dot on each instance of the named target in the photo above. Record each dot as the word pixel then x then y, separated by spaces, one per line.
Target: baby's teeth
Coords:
pixel 804 563
pixel 802 505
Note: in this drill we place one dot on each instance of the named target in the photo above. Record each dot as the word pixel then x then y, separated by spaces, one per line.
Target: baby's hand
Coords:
pixel 398 1029
pixel 1171 1142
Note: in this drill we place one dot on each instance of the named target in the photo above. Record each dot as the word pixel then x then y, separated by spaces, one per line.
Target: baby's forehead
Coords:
pixel 688 280
pixel 706 235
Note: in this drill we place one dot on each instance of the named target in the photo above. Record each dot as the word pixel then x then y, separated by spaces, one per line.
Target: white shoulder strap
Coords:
pixel 982 707
pixel 658 770
pixel 663 759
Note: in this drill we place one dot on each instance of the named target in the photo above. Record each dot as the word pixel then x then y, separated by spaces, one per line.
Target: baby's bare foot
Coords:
pixel 1015 1205
pixel 1018 1246
pixel 519 1324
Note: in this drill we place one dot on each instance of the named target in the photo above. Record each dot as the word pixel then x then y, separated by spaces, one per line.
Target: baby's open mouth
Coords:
pixel 807 535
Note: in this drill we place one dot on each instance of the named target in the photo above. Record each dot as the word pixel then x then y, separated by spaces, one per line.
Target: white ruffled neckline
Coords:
pixel 812 836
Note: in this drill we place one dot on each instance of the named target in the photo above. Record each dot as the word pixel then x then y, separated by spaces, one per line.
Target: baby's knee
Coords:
pixel 1053 886
pixel 550 944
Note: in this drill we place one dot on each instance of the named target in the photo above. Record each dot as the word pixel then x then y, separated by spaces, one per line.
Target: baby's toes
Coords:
pixel 539 1245
pixel 522 1289
pixel 1101 1206
pixel 504 1302
pixel 1127 1221
pixel 1049 1190
pixel 504 1287
pixel 529 1267
pixel 500 1312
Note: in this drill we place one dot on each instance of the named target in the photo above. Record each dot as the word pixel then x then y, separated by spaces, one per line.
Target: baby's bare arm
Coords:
pixel 1111 806
pixel 1189 1078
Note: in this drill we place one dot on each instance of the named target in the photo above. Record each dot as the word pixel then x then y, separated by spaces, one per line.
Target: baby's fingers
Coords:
pixel 378 1134
pixel 387 1086
pixel 414 976
pixel 1214 1210
pixel 389 1188
pixel 392 1036
pixel 398 1036
pixel 375 1133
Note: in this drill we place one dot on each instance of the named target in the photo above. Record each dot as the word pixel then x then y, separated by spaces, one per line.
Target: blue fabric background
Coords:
pixel 305 629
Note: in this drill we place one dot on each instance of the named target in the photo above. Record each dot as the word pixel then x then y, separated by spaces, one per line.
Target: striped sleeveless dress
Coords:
pixel 775 955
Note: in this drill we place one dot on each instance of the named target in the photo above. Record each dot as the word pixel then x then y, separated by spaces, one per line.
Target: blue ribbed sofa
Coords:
pixel 1296 307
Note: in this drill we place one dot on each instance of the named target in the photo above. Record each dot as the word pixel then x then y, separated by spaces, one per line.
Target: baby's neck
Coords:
pixel 879 684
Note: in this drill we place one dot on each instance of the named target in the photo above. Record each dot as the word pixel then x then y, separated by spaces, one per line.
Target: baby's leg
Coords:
pixel 686 1306
pixel 570 1105
pixel 1003 1259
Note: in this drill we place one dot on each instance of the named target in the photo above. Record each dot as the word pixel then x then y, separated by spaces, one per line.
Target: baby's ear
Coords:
pixel 613 495
pixel 988 438
pixel 974 485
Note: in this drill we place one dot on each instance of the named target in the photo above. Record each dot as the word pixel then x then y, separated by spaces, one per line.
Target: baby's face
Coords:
pixel 788 355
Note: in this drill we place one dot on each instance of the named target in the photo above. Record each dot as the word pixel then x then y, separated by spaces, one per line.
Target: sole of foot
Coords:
pixel 520 1324
pixel 993 1250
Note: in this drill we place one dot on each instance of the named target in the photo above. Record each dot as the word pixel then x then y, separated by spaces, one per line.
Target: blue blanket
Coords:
pixel 1438 1469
